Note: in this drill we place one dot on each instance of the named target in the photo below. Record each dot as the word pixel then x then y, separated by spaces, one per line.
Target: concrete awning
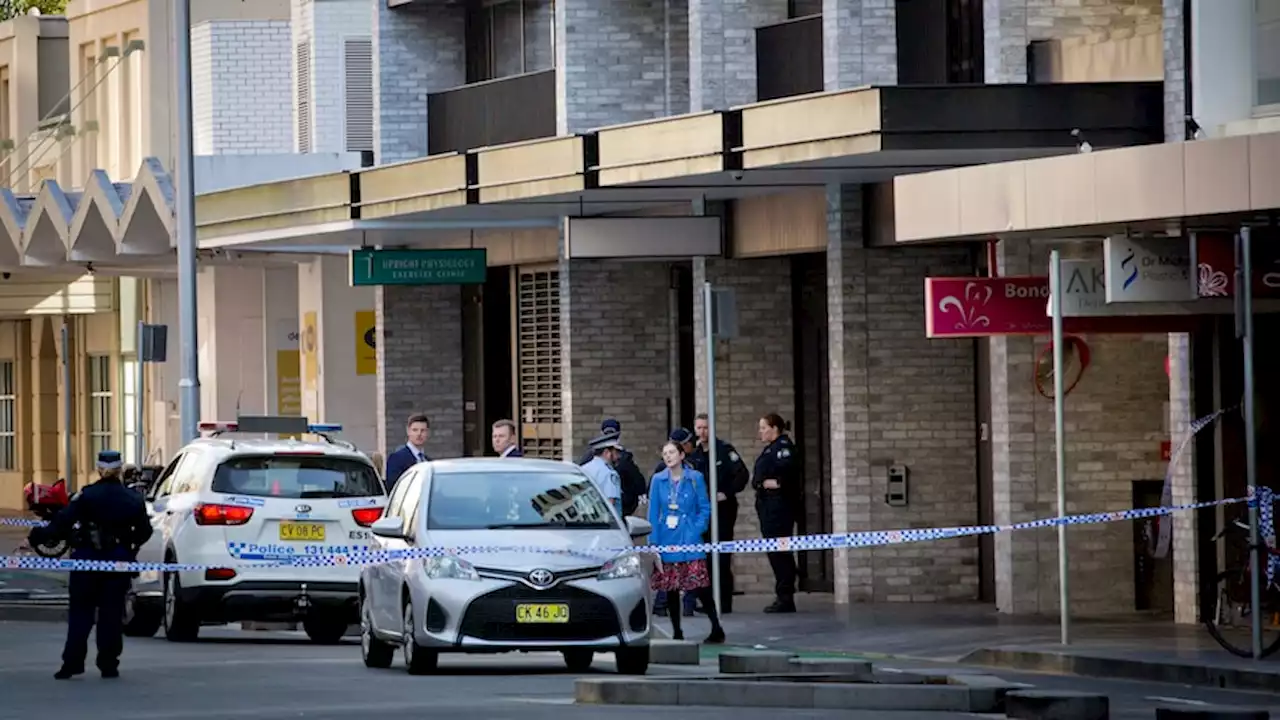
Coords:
pixel 1200 183
pixel 515 194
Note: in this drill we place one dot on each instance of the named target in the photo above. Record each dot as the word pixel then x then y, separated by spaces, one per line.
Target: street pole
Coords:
pixel 140 376
pixel 66 407
pixel 708 308
pixel 189 382
pixel 1059 434
pixel 1244 290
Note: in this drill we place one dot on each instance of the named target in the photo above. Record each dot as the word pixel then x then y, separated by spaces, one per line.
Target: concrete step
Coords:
pixel 756 662
pixel 1208 712
pixel 674 652
pixel 1056 705
pixel 1264 677
pixel 748 693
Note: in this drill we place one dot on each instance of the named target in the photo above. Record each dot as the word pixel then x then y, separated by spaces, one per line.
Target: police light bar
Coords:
pixel 218 426
pixel 324 428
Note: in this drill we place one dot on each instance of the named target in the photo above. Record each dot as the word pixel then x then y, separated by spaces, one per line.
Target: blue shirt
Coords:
pixel 606 479
pixel 690 515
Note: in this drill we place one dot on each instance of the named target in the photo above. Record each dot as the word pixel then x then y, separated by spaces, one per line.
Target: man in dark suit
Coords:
pixel 504 439
pixel 417 430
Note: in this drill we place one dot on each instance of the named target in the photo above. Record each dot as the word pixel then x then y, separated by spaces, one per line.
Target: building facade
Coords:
pixel 612 156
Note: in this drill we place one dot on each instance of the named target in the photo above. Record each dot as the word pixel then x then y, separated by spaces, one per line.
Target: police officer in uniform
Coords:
pixel 777 483
pixel 634 485
pixel 731 478
pixel 605 451
pixel 105 521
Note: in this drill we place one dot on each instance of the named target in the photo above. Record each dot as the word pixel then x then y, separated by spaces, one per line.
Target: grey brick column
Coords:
pixel 1185 549
pixel 611 59
pixel 897 397
pixel 419 336
pixel 418 49
pixel 1005 37
pixel 1175 72
pixel 859 43
pixel 722 50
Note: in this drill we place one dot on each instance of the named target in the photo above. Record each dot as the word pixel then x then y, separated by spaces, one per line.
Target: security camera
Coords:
pixel 737 175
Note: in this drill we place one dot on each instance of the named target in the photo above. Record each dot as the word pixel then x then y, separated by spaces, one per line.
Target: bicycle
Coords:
pixel 1232 618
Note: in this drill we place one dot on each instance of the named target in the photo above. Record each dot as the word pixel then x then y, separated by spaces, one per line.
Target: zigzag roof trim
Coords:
pixel 56 227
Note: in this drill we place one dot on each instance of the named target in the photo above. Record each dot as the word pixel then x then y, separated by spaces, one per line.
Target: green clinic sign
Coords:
pixel 418 267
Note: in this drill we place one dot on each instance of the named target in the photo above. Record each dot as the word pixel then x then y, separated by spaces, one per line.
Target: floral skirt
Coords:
pixel 682 576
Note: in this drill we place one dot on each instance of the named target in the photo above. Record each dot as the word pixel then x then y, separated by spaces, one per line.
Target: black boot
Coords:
pixel 784 604
pixel 674 611
pixel 66 673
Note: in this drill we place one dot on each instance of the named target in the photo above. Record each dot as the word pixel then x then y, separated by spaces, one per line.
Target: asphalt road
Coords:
pixel 235 674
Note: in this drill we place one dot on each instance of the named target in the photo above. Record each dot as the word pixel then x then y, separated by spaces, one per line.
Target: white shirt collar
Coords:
pixel 417 452
pixel 510 449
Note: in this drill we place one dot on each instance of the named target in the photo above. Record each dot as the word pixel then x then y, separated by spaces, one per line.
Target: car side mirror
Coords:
pixel 388 527
pixel 638 527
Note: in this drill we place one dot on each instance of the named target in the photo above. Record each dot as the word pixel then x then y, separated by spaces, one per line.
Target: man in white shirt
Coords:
pixel 605 450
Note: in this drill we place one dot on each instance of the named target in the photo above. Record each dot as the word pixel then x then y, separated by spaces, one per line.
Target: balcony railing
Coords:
pixel 789 58
pixel 494 112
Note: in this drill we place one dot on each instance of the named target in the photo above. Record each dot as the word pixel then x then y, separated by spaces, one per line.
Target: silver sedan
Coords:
pixel 537 560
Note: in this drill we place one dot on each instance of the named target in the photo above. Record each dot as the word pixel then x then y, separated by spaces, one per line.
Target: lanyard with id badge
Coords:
pixel 673 506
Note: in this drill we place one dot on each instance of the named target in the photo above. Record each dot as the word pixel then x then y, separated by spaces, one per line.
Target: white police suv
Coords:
pixel 249 494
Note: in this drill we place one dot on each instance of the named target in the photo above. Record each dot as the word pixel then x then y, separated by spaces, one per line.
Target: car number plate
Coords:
pixel 542 614
pixel 304 531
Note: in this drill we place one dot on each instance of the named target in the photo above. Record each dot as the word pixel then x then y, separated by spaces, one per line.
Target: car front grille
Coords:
pixel 492 617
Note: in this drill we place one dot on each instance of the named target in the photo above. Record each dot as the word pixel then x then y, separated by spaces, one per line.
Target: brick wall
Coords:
pixel 897 397
pixel 420 50
pixel 614 333
pixel 612 59
pixel 1010 25
pixel 722 49
pixel 327 25
pixel 242 85
pixel 1116 419
pixel 754 376
pixel 419 336
pixel 859 43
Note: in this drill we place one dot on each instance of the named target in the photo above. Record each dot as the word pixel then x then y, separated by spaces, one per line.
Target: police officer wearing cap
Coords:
pixel 634 484
pixel 105 521
pixel 605 450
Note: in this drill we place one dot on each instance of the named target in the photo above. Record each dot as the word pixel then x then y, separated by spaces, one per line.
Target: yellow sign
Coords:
pixel 288 383
pixel 310 352
pixel 366 343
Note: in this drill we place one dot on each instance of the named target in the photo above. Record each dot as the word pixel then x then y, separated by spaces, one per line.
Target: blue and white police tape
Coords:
pixel 836 541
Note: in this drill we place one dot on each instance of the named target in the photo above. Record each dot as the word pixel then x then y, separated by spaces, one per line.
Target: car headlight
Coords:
pixel 623 566
pixel 446 567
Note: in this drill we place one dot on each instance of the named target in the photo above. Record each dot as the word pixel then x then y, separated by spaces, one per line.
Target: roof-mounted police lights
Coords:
pixel 269 424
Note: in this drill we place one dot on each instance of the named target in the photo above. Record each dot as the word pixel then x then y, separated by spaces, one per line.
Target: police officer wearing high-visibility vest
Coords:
pixel 605 451
pixel 777 483
pixel 105 521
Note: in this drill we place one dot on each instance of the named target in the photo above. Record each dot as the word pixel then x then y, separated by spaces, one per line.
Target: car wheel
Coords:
pixel 417 659
pixel 324 630
pixel 632 660
pixel 377 654
pixel 141 620
pixel 181 624
pixel 578 660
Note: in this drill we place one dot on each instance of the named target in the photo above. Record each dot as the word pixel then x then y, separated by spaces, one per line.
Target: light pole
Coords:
pixel 189 382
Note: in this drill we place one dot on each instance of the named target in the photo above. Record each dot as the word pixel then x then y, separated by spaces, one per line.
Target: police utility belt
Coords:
pixel 92 536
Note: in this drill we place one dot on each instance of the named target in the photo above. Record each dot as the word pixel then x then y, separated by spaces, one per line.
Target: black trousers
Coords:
pixel 96 598
pixel 777 520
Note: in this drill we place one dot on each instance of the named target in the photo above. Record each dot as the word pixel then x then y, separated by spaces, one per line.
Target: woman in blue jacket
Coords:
pixel 679 510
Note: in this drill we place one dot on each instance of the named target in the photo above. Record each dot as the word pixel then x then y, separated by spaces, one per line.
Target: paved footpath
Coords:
pixel 235 674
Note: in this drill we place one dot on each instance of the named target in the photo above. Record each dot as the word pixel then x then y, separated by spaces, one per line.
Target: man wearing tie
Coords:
pixel 417 430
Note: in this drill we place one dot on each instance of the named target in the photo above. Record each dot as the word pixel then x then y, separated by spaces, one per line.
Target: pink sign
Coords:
pixel 971 307
pixel 985 306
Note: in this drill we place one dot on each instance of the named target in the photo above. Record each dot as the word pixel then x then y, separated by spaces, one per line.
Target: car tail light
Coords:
pixel 219 574
pixel 222 514
pixel 365 517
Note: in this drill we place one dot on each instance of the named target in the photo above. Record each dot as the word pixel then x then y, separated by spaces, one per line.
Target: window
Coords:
pixel 475 501
pixel 8 416
pixel 509 37
pixel 297 477
pixel 1266 53
pixel 100 405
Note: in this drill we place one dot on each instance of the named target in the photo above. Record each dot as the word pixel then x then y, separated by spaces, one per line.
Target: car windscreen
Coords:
pixel 509 500
pixel 296 476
